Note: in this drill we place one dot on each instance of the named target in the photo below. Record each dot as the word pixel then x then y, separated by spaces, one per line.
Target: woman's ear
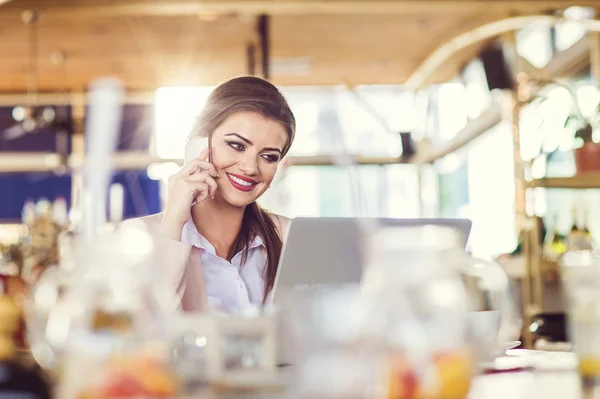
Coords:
pixel 194 147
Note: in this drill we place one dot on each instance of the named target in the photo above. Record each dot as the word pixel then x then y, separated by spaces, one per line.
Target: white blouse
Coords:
pixel 229 288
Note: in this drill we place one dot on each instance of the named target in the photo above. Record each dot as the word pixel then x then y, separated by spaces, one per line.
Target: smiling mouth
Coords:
pixel 241 184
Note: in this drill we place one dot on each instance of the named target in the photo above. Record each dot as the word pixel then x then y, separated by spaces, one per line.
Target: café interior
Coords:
pixel 442 241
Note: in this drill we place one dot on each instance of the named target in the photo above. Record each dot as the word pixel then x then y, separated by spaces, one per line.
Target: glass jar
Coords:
pixel 112 323
pixel 332 339
pixel 402 333
pixel 412 271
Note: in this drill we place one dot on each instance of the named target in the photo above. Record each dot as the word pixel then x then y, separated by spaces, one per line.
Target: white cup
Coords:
pixel 484 327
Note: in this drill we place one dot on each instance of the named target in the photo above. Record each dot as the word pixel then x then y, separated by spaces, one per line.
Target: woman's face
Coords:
pixel 245 150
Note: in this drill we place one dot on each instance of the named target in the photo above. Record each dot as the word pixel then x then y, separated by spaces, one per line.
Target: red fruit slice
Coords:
pixel 122 386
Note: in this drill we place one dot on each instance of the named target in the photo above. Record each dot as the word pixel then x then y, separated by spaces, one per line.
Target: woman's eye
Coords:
pixel 236 146
pixel 271 157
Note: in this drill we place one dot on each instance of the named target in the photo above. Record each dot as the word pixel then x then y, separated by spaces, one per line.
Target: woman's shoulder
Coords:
pixel 281 222
pixel 151 224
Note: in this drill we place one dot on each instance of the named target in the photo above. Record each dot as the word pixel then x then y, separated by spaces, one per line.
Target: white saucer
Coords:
pixel 510 345
pixel 497 354
pixel 502 347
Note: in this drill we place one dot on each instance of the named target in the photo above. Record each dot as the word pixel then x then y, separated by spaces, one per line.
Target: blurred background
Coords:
pixel 456 109
pixel 486 110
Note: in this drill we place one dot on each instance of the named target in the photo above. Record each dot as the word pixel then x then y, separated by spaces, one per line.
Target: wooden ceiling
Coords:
pixel 149 44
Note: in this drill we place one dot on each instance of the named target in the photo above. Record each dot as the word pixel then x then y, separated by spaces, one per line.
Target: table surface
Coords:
pixel 521 374
pixel 543 375
pixel 530 385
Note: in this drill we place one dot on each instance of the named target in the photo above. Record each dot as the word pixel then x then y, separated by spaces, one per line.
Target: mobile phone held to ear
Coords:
pixel 195 146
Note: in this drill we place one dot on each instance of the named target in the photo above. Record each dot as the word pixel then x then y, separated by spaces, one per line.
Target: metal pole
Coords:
pixel 526 290
pixel 532 286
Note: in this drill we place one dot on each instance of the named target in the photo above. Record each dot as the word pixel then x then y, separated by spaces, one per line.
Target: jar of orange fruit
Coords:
pixel 413 276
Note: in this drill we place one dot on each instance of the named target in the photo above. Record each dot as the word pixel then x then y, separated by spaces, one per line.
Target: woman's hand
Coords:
pixel 192 184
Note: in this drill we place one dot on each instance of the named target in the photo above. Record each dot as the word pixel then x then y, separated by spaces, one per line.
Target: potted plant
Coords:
pixel 587 156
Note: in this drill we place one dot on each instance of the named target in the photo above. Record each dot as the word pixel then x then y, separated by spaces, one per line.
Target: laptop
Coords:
pixel 323 252
pixel 329 251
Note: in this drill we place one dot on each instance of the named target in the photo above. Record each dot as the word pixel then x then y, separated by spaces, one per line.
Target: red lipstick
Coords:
pixel 241 183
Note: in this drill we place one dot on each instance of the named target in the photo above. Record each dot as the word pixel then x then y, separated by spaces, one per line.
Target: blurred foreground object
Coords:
pixel 17 380
pixel 581 275
pixel 111 323
pixel 48 316
pixel 407 330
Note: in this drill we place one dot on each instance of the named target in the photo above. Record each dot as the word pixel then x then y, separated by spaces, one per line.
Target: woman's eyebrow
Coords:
pixel 250 143
pixel 240 137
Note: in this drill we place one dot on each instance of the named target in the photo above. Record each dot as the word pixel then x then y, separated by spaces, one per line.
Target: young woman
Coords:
pixel 220 248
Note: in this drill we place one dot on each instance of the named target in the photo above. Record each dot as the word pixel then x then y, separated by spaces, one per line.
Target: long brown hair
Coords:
pixel 250 94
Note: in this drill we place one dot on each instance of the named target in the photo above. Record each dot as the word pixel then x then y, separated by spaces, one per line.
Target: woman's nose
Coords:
pixel 249 166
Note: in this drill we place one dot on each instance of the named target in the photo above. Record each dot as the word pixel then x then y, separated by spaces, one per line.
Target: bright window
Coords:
pixel 175 110
pixel 328 119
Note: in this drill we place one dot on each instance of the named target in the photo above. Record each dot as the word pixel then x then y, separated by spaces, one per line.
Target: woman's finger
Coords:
pixel 196 188
pixel 203 193
pixel 205 178
pixel 204 154
pixel 193 166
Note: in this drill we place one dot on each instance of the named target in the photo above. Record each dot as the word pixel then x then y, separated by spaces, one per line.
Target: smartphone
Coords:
pixel 194 146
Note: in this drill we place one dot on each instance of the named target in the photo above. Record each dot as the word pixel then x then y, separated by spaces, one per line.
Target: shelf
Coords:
pixel 582 181
pixel 12 162
pixel 328 160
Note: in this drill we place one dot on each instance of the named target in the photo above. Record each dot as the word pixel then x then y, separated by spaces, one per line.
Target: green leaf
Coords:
pixel 567 121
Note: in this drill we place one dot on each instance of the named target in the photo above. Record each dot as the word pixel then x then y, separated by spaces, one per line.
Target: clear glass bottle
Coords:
pixel 554 242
